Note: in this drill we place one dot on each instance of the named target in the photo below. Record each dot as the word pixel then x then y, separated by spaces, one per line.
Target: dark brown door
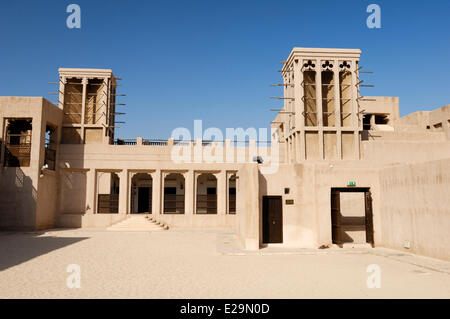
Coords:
pixel 336 217
pixel 272 219
pixel 143 199
pixel 369 218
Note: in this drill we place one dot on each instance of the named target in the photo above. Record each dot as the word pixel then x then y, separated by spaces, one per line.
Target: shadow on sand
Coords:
pixel 19 247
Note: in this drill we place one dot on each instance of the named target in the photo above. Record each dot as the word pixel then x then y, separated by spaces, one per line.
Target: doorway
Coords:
pixel 144 194
pixel 206 194
pixel 174 194
pixel 141 193
pixel 272 220
pixel 351 216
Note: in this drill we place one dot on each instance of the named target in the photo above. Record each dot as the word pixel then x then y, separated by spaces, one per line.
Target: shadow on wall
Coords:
pixel 17 200
pixel 17 248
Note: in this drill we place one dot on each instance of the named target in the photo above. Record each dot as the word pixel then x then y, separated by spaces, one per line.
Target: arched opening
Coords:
pixel 232 194
pixel 206 194
pixel 141 193
pixel 174 194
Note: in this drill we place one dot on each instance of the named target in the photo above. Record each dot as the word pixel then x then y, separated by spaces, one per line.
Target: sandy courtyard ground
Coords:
pixel 203 264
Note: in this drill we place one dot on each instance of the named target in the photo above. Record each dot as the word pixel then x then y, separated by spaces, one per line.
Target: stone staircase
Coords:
pixel 138 223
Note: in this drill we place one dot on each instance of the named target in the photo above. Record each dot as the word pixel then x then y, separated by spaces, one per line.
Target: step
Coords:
pixel 138 223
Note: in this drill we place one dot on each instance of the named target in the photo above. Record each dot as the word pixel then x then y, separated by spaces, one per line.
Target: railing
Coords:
pixel 17 155
pixel 173 204
pixel 155 142
pixel 204 143
pixel 182 142
pixel 108 204
pixel 124 142
pixel 207 204
pixel 18 139
pixel 207 143
pixel 232 204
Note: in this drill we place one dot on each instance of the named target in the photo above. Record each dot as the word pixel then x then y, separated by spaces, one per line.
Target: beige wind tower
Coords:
pixel 88 100
pixel 320 119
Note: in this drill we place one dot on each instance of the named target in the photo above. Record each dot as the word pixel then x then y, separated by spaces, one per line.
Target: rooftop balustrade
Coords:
pixel 161 142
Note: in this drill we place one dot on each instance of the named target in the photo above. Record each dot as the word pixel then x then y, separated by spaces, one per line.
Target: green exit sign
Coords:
pixel 351 183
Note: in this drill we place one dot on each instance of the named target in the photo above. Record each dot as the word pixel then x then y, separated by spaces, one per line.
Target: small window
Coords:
pixel 50 147
pixel 286 190
pixel 438 127
pixel 381 119
pixel 18 143
pixel 366 122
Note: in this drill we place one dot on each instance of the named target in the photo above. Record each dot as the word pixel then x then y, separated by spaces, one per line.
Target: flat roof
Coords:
pixel 85 71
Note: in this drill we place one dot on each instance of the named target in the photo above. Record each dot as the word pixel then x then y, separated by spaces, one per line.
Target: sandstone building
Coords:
pixel 348 168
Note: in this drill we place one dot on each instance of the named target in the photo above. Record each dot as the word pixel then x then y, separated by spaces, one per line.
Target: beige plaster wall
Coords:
pixel 28 201
pixel 381 105
pixel 47 208
pixel 440 120
pixel 248 206
pixel 415 207
pixel 383 152
pixel 18 196
pixel 299 222
pixel 307 222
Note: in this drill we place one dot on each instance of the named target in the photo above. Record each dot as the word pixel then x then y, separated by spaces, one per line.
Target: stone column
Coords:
pixel 355 110
pixel 298 148
pixel 337 94
pixel 319 106
pixel 319 93
pixel 299 108
pixel 189 192
pixel 62 89
pixel 372 121
pixel 354 96
pixel 123 192
pixel 83 106
pixel 221 192
pixel 91 191
pixel 157 192
pixel 337 107
pixel 106 110
pixel 196 175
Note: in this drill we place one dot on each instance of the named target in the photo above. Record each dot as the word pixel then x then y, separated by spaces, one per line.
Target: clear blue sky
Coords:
pixel 214 60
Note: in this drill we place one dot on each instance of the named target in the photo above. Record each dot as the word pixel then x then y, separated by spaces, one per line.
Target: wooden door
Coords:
pixel 369 218
pixel 336 217
pixel 272 219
